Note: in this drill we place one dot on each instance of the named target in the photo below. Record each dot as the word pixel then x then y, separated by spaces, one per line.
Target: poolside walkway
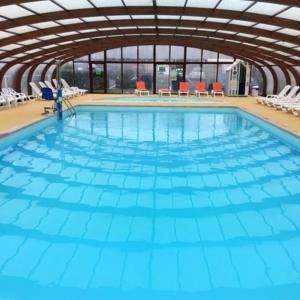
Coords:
pixel 17 117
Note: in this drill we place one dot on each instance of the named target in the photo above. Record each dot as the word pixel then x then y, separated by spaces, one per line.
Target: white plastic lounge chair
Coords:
pixel 282 94
pixel 71 92
pixel 288 103
pixel 274 101
pixel 13 97
pixel 42 85
pixel 296 110
pixel 164 91
pixel 67 86
pixel 3 101
pixel 36 90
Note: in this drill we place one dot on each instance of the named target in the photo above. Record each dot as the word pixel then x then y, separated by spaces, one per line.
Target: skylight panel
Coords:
pixel 49 46
pixel 107 3
pixel 14 11
pixel 192 18
pixel 242 23
pixel 218 20
pixel 142 16
pixel 130 27
pixel 266 27
pixel 74 4
pixel 21 29
pixel 292 13
pixel 201 3
pixel 19 55
pixel 68 33
pixel 269 9
pixel 289 31
pixel 65 43
pixel 10 47
pixel 42 7
pixel 236 5
pixel 266 48
pixel 33 51
pixel 7 59
pixel 44 25
pixel 262 38
pixel 170 2
pixel 87 30
pixel 108 28
pixel 227 32
pixel 69 21
pixel 4 34
pixel 247 35
pixel 122 17
pixel 286 44
pixel 48 37
pixel 282 53
pixel 138 2
pixel 29 42
pixel 94 19
pixel 168 17
pixel 187 28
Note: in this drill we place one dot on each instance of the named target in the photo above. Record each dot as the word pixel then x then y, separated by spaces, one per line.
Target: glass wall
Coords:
pixel 145 73
pixel 82 76
pixel 160 66
pixel 129 77
pixel 209 74
pixel 67 73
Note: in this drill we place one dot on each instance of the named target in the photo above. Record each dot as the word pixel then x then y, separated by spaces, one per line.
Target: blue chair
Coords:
pixel 47 94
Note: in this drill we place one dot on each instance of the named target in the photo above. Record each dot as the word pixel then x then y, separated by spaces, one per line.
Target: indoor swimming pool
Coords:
pixel 150 203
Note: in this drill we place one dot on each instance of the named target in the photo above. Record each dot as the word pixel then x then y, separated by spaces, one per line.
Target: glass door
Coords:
pixel 176 76
pixel 169 76
pixel 162 77
pixel 98 78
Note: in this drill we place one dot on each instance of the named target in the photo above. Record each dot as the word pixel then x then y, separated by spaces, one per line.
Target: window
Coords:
pixel 177 53
pixel 130 53
pixel 113 54
pixel 162 53
pixel 99 56
pixel 209 74
pixel 146 53
pixel 193 54
pixel 193 74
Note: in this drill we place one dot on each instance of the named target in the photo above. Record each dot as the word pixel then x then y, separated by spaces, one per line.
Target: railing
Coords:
pixel 71 109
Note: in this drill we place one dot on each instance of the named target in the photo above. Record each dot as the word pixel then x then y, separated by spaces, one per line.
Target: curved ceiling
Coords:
pixel 266 32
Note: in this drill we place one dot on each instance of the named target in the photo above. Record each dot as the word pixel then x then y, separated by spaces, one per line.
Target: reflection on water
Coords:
pixel 137 205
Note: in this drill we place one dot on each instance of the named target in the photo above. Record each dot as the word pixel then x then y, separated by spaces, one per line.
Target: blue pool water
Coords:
pixel 150 204
pixel 161 99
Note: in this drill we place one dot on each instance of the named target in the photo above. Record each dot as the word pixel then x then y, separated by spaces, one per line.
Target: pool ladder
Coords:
pixel 71 109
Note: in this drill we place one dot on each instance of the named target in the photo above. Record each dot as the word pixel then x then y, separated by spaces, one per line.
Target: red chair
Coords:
pixel 141 88
pixel 183 88
pixel 201 89
pixel 217 89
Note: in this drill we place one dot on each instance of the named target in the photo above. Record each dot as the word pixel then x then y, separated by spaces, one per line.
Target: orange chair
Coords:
pixel 141 88
pixel 183 88
pixel 217 89
pixel 201 89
